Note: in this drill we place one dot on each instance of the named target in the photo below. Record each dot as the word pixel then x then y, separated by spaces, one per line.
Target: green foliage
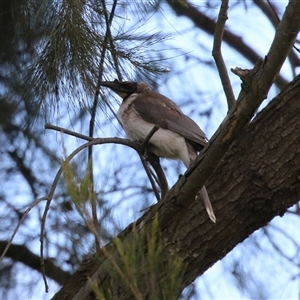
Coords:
pixel 79 188
pixel 70 45
pixel 52 54
pixel 141 268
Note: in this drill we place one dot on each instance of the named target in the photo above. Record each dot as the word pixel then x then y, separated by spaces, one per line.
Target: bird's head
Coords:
pixel 123 89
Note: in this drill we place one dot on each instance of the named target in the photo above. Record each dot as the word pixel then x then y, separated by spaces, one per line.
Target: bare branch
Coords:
pixel 108 21
pixel 22 254
pixel 270 11
pixel 97 141
pixel 42 260
pixel 95 105
pixel 217 54
pixel 69 132
pixel 32 205
pixel 140 149
pixel 200 20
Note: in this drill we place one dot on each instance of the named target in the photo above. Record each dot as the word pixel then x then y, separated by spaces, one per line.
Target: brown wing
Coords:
pixel 158 109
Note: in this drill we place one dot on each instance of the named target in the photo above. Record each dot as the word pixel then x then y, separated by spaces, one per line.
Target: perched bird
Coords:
pixel 178 136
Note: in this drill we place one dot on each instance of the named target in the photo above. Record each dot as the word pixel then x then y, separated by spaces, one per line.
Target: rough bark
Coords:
pixel 257 180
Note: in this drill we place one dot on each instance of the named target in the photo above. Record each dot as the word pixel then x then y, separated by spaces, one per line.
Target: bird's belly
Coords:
pixel 163 143
pixel 168 144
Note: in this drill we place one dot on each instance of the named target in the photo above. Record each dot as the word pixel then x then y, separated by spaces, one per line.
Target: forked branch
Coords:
pixel 217 54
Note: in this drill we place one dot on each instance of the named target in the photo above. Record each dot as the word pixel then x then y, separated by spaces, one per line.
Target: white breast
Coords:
pixel 164 143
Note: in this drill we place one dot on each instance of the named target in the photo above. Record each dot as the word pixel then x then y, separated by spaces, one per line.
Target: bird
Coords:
pixel 178 136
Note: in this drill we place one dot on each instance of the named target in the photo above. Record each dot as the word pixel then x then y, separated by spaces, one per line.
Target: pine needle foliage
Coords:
pixel 137 267
pixel 71 45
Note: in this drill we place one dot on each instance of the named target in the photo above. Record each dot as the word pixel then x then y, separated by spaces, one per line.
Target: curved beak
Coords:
pixel 123 89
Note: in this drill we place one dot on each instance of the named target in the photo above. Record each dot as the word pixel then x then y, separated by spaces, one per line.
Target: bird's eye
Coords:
pixel 128 85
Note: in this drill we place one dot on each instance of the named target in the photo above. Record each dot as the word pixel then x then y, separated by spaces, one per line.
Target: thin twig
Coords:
pixel 94 109
pixel 217 54
pixel 108 22
pixel 98 141
pixel 101 63
pixel 42 260
pixel 136 146
pixel 49 197
pixel 69 132
pixel 33 204
pixel 274 11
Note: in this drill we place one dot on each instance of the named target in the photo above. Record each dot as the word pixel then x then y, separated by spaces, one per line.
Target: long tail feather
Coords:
pixel 207 204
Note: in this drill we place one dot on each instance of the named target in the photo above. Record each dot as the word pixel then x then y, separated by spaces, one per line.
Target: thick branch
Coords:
pixel 21 254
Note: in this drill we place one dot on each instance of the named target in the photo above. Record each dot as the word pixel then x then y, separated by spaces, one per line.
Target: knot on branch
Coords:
pixel 246 75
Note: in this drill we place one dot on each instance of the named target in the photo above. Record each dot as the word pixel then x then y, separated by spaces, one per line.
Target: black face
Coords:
pixel 127 87
pixel 123 89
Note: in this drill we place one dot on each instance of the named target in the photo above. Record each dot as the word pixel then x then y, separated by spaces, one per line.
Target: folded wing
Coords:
pixel 159 110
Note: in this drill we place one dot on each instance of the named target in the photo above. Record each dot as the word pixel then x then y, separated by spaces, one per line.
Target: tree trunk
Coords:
pixel 257 180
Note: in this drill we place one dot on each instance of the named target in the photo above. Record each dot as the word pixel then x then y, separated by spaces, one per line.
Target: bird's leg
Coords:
pixel 148 137
pixel 162 180
pixel 151 177
pixel 154 161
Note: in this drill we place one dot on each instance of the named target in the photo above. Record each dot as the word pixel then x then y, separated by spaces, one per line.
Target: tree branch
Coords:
pixel 254 91
pixel 247 190
pixel 94 109
pixel 238 217
pixel 270 12
pixel 208 25
pixel 217 54
pixel 140 149
pixel 22 254
pixel 69 132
